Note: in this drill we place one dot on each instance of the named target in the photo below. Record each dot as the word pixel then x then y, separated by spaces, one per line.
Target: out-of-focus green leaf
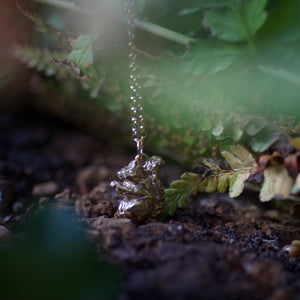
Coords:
pixel 283 22
pixel 82 55
pixel 210 57
pixel 45 28
pixel 264 139
pixel 55 261
pixel 237 22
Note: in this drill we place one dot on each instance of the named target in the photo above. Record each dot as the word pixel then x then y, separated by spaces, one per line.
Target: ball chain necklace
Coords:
pixel 142 194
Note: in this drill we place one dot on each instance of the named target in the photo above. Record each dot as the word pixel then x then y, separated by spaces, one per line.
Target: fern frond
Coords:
pixel 213 178
pixel 279 175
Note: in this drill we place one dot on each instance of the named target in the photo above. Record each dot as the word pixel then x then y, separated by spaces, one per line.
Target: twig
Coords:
pixel 60 3
pixel 143 25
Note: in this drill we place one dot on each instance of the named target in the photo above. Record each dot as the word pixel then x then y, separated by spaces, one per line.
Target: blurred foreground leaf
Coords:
pixel 54 261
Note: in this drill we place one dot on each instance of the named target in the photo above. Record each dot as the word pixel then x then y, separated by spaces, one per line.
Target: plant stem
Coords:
pixel 59 3
pixel 164 32
pixel 281 74
pixel 143 25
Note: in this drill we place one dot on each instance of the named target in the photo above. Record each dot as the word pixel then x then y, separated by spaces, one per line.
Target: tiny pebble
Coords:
pixel 293 249
pixel 4 233
pixel 45 189
pixel 43 200
pixel 17 207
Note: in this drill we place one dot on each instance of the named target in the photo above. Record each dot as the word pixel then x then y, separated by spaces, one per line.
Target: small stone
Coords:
pixel 98 202
pixel 5 234
pixel 112 230
pixel 45 189
pixel 18 207
pixel 43 201
pixel 90 177
pixel 66 197
pixel 7 218
pixel 293 249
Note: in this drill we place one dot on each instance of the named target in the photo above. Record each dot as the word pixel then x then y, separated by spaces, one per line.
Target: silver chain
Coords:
pixel 136 99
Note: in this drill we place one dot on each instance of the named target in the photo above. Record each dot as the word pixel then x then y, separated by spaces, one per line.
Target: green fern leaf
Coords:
pixel 180 190
pixel 215 179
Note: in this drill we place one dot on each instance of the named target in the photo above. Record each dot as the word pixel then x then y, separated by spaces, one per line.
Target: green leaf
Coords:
pixel 212 184
pixel 211 57
pixel 171 205
pixel 43 27
pixel 82 55
pixel 177 194
pixel 233 161
pixel 181 200
pixel 282 25
pixel 218 129
pixel 202 185
pixel 255 126
pixel 238 22
pixel 264 139
pixel 237 125
pixel 223 182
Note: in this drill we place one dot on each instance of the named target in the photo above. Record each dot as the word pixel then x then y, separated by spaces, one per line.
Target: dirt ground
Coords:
pixel 214 248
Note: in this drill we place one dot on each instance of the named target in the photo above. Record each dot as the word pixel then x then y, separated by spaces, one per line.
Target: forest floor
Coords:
pixel 214 248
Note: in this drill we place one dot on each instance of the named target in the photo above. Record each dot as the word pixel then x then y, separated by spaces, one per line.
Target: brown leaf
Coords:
pixel 291 163
pixel 270 160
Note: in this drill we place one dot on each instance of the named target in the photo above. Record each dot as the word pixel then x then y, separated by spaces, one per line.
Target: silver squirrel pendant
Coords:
pixel 143 195
pixel 142 191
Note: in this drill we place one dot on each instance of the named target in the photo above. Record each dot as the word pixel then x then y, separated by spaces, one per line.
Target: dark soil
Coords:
pixel 215 248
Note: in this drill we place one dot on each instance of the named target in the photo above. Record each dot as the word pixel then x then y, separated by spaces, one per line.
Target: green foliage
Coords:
pixel 53 260
pixel 61 36
pixel 82 55
pixel 210 57
pixel 180 190
pixel 238 21
pixel 213 178
pixel 225 69
pixel 40 60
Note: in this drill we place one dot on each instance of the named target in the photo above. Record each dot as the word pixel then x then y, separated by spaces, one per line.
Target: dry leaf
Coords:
pixel 291 162
pixel 277 183
pixel 237 185
pixel 267 160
